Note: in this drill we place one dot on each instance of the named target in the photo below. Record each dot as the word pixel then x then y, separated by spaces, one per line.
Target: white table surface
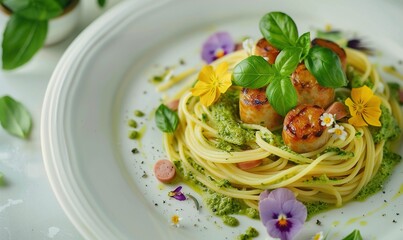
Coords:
pixel 28 207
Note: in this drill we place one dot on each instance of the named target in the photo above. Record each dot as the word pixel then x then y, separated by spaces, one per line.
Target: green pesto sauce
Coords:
pixel 249 234
pixel 314 208
pixel 226 121
pixel 389 130
pixel 230 221
pixel 222 205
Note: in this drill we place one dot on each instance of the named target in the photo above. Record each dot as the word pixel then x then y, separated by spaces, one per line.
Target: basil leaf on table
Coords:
pixel 282 95
pixel 288 60
pixel 166 119
pixel 34 9
pixel 14 117
pixel 279 29
pixel 325 66
pixel 1 179
pixel 354 235
pixel 21 40
pixel 253 72
pixel 101 3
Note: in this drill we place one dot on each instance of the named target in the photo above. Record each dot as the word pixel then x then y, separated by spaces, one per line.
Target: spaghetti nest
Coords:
pixel 333 174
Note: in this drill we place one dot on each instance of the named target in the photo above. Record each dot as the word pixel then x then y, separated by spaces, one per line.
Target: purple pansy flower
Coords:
pixel 216 46
pixel 177 194
pixel 281 213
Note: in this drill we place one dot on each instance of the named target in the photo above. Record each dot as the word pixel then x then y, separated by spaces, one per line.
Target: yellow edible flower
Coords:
pixel 212 83
pixel 364 107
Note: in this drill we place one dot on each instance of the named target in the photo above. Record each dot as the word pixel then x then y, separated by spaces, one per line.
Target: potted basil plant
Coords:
pixel 27 27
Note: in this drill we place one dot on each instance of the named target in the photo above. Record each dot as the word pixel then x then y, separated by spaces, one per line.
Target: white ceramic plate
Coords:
pixel 104 76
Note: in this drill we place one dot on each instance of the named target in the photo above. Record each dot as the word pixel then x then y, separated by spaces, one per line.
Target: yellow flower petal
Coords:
pixel 205 74
pixel 350 104
pixel 200 88
pixel 372 118
pixel 357 121
pixel 361 95
pixel 210 97
pixel 225 83
pixel 222 69
pixel 372 111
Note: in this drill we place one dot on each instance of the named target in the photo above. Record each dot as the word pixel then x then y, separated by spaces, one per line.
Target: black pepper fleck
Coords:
pixel 135 150
pixel 318 222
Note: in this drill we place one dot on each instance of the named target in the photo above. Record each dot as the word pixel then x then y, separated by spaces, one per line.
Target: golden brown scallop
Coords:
pixel 302 130
pixel 266 50
pixel 308 89
pixel 254 108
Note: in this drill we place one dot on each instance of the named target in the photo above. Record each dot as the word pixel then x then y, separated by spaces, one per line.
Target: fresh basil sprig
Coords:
pixel 281 31
pixel 14 117
pixel 166 119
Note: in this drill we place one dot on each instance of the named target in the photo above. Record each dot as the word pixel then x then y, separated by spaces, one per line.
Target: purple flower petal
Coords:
pixel 284 233
pixel 177 194
pixel 177 190
pixel 180 197
pixel 296 208
pixel 269 209
pixel 216 46
pixel 282 194
pixel 264 194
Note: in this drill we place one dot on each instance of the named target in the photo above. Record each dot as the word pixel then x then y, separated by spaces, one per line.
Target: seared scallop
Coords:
pixel 254 108
pixel 302 129
pixel 308 89
pixel 265 49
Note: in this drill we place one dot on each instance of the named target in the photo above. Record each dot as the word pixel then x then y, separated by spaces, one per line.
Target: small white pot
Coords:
pixel 62 26
pixel 59 27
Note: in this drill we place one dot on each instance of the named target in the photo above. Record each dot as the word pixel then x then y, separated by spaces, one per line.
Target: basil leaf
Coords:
pixel 304 42
pixel 2 181
pixel 288 60
pixel 282 95
pixel 253 72
pixel 21 40
pixel 101 3
pixel 166 119
pixel 279 29
pixel 35 9
pixel 354 235
pixel 14 117
pixel 325 66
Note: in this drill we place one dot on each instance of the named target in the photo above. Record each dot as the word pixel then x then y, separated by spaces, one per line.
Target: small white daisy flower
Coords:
pixel 326 119
pixel 175 220
pixel 248 45
pixel 338 132
pixel 318 236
